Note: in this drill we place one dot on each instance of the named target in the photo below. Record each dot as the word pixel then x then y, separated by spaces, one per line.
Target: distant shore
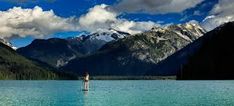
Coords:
pixel 112 78
pixel 131 78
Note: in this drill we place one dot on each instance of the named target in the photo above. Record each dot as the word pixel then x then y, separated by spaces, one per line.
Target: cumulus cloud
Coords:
pixel 18 22
pixel 98 17
pixel 156 6
pixel 102 17
pixel 222 12
pixel 133 27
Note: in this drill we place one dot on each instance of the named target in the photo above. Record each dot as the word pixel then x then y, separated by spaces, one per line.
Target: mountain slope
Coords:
pixel 136 54
pixel 213 60
pixel 14 66
pixel 7 43
pixel 55 51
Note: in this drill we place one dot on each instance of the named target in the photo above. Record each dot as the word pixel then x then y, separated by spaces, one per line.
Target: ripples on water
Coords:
pixel 117 93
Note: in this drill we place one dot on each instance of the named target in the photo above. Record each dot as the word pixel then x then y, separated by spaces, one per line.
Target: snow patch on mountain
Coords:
pixel 89 43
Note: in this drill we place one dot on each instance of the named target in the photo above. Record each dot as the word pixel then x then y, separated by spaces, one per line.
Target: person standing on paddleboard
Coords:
pixel 86 81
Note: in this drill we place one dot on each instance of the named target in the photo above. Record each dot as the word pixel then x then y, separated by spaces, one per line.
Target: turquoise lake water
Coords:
pixel 117 93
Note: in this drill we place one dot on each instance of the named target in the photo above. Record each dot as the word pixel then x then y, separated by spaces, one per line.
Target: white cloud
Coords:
pixel 222 12
pixel 98 17
pixel 133 27
pixel 102 17
pixel 156 6
pixel 18 22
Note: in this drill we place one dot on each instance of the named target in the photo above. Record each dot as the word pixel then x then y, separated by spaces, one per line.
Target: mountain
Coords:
pixel 189 31
pixel 16 67
pixel 174 63
pixel 7 43
pixel 214 57
pixel 88 44
pixel 58 52
pixel 55 51
pixel 137 55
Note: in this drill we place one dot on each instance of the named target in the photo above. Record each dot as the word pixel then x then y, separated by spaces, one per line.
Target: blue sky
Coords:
pixel 78 8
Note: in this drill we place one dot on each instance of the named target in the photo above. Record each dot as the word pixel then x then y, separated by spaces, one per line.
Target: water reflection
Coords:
pixel 85 93
pixel 85 98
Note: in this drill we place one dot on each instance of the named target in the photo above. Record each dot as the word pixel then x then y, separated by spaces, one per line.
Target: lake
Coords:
pixel 117 93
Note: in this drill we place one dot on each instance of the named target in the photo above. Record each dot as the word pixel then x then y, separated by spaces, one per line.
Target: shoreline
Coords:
pixel 107 78
pixel 131 78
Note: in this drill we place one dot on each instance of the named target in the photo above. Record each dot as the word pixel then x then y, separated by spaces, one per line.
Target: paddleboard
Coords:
pixel 85 90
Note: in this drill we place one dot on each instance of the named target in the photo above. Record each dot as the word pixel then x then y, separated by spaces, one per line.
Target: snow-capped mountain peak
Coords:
pixel 159 29
pixel 189 31
pixel 88 43
pixel 105 35
pixel 108 35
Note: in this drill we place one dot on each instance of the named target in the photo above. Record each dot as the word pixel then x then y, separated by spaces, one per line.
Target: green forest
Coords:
pixel 16 67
